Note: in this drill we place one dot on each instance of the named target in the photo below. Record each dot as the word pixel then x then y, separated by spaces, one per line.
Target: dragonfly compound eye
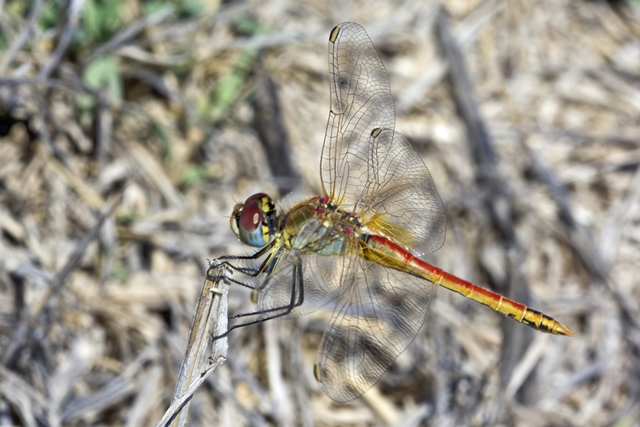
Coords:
pixel 253 222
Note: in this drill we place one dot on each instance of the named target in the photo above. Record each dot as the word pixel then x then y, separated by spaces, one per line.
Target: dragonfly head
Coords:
pixel 254 221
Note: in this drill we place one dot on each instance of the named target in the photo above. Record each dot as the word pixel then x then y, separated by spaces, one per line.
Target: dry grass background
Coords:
pixel 172 113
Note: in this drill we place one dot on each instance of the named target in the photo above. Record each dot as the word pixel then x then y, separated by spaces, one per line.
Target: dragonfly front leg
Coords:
pixel 248 271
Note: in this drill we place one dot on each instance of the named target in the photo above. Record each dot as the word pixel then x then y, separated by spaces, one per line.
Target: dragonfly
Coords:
pixel 357 249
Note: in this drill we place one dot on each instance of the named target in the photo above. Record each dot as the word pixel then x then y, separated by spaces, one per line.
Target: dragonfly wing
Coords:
pixel 366 166
pixel 375 320
pixel 360 102
pixel 400 200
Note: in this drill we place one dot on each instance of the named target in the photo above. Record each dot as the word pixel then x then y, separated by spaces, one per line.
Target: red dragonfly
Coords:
pixel 356 249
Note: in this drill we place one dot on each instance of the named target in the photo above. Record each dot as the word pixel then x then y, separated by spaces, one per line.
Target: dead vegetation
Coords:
pixel 129 131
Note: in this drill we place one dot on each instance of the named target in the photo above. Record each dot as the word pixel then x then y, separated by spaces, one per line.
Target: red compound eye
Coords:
pixel 251 217
pixel 254 221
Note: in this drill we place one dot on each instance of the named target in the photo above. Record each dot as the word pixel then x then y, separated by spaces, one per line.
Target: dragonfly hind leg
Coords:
pixel 296 300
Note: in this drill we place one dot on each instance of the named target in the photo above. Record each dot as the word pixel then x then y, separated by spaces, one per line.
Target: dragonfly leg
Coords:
pixel 230 279
pixel 248 271
pixel 296 300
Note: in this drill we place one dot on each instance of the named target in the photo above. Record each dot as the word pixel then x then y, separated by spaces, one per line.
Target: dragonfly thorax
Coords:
pixel 318 225
pixel 254 221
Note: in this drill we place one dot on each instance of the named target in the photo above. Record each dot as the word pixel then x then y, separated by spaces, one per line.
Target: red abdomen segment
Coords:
pixel 384 252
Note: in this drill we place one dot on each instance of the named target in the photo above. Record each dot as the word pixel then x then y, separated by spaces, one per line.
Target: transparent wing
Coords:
pixel 375 321
pixel 360 102
pixel 366 166
pixel 303 275
pixel 400 200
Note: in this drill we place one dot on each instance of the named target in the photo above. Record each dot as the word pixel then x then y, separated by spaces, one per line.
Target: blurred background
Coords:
pixel 129 129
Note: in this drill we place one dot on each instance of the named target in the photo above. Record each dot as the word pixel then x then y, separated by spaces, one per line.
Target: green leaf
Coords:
pixel 104 73
pixel 248 26
pixel 119 274
pixel 49 16
pixel 101 19
pixel 229 87
pixel 91 19
pixel 192 8
pixel 165 141
pixel 111 21
pixel 151 7
pixel 193 175
pixel 4 43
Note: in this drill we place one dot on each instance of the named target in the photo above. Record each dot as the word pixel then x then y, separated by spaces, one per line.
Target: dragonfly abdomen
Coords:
pixel 517 311
pixel 385 252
